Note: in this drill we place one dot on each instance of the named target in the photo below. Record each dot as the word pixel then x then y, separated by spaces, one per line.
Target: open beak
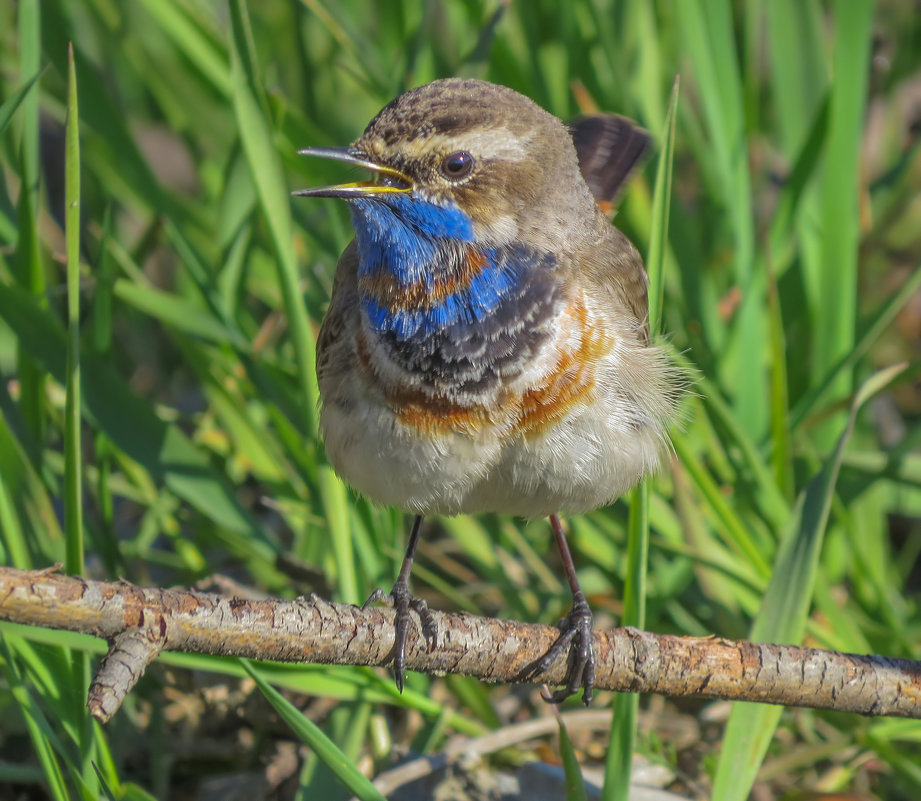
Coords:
pixel 387 180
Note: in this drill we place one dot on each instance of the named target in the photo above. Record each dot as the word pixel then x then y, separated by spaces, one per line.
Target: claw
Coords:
pixel 576 631
pixel 377 597
pixel 403 604
pixel 402 601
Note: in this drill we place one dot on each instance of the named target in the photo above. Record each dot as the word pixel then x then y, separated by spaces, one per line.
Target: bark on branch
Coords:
pixel 138 623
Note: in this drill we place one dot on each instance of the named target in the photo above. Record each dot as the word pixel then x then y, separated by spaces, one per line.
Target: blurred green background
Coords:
pixel 193 295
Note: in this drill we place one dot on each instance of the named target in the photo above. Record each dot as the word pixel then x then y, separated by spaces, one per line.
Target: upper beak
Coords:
pixel 388 180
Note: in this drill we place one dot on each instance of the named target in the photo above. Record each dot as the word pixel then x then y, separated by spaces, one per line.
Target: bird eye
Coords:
pixel 457 165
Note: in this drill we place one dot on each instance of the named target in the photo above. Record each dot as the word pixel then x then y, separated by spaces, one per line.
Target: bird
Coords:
pixel 486 347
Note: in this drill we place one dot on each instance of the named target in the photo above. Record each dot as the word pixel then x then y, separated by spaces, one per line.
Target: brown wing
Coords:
pixel 613 271
pixel 341 315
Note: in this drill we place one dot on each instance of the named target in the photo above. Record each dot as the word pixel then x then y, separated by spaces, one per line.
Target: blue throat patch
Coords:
pixel 412 241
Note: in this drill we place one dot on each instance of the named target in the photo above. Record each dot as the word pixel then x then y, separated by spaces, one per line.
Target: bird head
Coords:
pixel 465 160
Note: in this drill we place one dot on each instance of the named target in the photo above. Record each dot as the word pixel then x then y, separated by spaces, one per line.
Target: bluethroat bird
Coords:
pixel 486 347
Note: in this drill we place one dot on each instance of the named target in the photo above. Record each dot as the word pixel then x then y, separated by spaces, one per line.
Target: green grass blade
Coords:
pixel 637 561
pixel 840 221
pixel 103 784
pixel 619 759
pixel 312 736
pixel 336 509
pixel 205 281
pixel 882 320
pixel 358 52
pixel 179 314
pixel 73 467
pixel 36 724
pixel 661 205
pixel 575 784
pixel 9 106
pixel 783 614
pixel 30 262
pixel 73 473
pixel 800 75
pixel 13 525
pixel 36 535
pixel 793 202
pixel 177 22
pixel 782 454
pixel 14 549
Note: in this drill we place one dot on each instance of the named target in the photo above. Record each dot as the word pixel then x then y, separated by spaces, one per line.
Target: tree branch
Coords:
pixel 138 623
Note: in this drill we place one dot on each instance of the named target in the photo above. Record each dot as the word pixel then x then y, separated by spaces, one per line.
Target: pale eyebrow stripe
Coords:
pixel 493 143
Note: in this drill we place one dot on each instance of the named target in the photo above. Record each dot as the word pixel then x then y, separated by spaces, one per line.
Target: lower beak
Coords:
pixel 388 180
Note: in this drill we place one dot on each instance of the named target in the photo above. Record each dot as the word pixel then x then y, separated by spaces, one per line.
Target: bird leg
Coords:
pixel 402 601
pixel 575 634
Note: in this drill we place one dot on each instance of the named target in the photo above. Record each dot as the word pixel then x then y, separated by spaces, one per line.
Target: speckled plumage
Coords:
pixel 486 348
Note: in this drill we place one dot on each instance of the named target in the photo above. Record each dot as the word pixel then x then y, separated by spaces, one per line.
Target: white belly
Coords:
pixel 599 449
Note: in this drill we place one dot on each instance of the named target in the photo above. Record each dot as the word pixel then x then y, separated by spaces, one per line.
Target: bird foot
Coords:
pixel 576 630
pixel 403 602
